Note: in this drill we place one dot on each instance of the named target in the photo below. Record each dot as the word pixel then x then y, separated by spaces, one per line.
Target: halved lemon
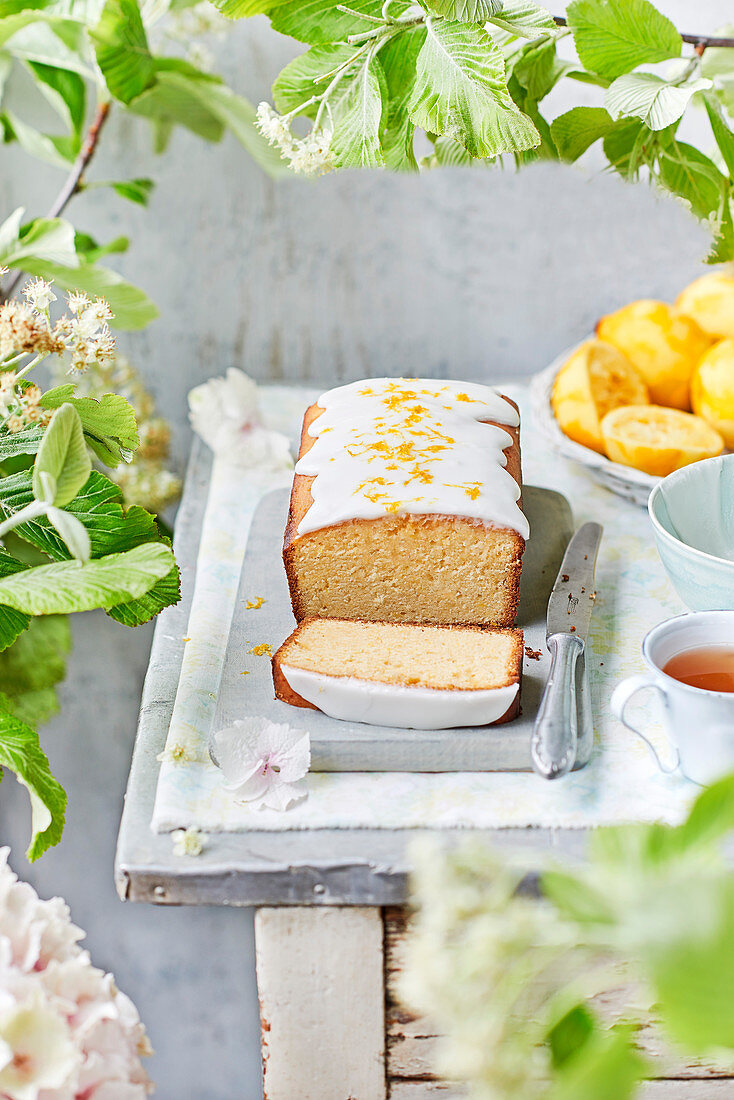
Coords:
pixel 657 440
pixel 712 389
pixel 596 379
pixel 710 302
pixel 661 343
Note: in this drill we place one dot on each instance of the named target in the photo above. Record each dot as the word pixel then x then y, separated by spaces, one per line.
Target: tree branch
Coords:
pixel 73 180
pixel 702 41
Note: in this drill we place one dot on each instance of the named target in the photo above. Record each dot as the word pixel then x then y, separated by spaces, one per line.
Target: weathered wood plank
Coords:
pixel 427 1090
pixel 320 982
pixel 412 1039
pixel 695 1089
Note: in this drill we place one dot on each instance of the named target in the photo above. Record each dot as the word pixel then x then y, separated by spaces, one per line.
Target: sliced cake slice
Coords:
pixel 407 675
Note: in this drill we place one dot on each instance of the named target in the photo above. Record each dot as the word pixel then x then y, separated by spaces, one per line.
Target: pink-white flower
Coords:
pixel 264 762
pixel 66 1032
pixel 224 412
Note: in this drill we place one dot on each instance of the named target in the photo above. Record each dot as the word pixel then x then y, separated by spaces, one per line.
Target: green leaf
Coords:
pixel 692 176
pixel 65 90
pixel 50 240
pixel 448 153
pixel 356 139
pixel 525 19
pixel 68 586
pixel 132 308
pixel 317 21
pixel 722 132
pixel 122 50
pixel 238 115
pixel 614 36
pixel 174 100
pixel 21 752
pixel 537 68
pixel 73 533
pixel 48 39
pixel 570 1033
pixel 26 442
pixel 12 623
pixel 607 1067
pixel 33 665
pixel 722 250
pixel 657 102
pixel 576 899
pixel 41 146
pixel 112 530
pixel 91 251
pixel 692 980
pixel 399 59
pixel 236 9
pixel 109 424
pixel 461 91
pixel 467 11
pixel 137 190
pixel 63 459
pixel 303 77
pixel 576 130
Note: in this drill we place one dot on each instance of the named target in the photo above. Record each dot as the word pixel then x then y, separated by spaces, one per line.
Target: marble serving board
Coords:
pixel 247 687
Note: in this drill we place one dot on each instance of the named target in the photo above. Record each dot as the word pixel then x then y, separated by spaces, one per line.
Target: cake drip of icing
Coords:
pixel 396 446
pixel 353 700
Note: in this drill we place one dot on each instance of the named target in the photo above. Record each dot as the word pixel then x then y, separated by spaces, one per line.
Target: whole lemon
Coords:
pixel 710 302
pixel 594 380
pixel 712 389
pixel 661 343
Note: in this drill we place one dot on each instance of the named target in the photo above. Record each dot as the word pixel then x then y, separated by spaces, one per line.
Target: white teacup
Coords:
pixel 699 723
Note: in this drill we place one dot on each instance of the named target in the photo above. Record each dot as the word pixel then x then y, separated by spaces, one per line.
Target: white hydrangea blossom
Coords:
pixel 66 1032
pixel 225 413
pixel 264 763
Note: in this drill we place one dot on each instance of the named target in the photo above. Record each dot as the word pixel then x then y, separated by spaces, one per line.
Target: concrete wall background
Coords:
pixel 470 273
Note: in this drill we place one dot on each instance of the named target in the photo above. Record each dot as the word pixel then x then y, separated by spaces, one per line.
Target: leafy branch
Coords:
pixel 473 75
pixel 67 542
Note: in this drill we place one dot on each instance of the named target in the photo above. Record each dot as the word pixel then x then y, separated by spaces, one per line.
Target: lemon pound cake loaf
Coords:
pixel 406 675
pixel 406 505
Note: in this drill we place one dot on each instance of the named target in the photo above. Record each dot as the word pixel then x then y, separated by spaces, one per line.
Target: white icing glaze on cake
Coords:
pixel 388 446
pixel 353 700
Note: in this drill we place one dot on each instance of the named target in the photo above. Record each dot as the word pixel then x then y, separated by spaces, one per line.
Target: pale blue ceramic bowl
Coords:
pixel 692 513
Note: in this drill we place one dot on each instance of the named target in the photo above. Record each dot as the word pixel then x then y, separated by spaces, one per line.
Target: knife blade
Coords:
pixel 558 735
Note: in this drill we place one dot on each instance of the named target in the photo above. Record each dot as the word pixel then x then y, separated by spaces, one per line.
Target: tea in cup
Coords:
pixel 691 667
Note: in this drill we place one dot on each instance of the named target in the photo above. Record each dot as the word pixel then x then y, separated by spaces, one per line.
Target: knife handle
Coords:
pixel 553 744
pixel 585 743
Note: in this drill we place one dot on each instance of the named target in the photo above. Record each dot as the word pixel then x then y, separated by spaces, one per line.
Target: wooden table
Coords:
pixel 330 909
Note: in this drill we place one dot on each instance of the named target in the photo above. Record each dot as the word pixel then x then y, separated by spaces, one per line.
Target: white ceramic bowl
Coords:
pixel 692 513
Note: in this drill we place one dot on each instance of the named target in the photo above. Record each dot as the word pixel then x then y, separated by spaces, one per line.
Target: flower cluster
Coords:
pixel 66 1032
pixel 83 336
pixel 20 404
pixel 146 480
pixel 310 156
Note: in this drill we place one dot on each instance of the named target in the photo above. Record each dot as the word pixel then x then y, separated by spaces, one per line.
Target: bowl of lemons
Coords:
pixel 650 393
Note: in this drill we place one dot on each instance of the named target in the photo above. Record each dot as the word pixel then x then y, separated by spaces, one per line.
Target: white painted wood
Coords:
pixel 428 1090
pixel 676 1090
pixel 321 987
pixel 412 1039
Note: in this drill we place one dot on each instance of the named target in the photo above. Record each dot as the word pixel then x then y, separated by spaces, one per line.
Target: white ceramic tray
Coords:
pixel 355 746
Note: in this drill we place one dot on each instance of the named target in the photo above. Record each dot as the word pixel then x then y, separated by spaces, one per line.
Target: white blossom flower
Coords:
pixel 224 412
pixel 309 156
pixel 264 762
pixel 66 1032
pixel 39 294
pixel 187 842
pixel 37 1049
pixel 273 126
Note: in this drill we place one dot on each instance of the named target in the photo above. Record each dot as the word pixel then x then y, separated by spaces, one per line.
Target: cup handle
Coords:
pixel 621 697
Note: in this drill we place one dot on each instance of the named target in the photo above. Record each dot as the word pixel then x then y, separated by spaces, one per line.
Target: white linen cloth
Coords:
pixel 621 783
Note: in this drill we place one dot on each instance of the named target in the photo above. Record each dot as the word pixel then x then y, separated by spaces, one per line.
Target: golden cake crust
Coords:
pixel 301 501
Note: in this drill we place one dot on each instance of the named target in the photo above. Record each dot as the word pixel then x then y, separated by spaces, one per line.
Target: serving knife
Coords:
pixel 563 733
